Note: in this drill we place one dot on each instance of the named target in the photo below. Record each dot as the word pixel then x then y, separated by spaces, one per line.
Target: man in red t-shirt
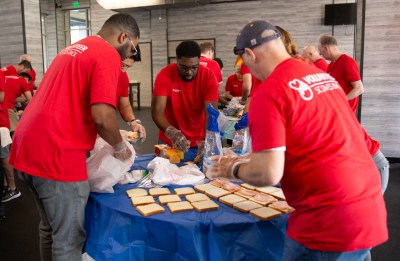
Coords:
pixel 343 68
pixel 124 105
pixel 32 73
pixel 4 150
pixel 15 70
pixel 206 59
pixel 305 140
pixel 182 91
pixel 311 53
pixel 234 83
pixel 76 101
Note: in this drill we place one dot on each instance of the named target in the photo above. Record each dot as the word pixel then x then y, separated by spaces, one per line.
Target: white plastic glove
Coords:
pixel 136 126
pixel 223 166
pixel 121 151
pixel 178 139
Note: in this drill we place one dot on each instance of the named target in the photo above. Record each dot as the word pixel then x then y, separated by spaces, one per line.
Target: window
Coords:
pixel 76 25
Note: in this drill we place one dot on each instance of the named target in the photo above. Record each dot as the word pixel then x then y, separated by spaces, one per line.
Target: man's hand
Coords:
pixel 223 166
pixel 121 151
pixel 136 126
pixel 178 139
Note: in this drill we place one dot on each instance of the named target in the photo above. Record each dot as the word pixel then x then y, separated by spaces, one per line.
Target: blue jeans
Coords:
pixel 296 251
pixel 61 207
pixel 383 166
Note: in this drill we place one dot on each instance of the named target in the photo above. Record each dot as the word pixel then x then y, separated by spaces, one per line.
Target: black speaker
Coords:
pixel 340 14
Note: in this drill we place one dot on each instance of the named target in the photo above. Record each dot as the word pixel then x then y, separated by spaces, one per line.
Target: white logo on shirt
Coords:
pixel 176 90
pixel 319 83
pixel 303 89
pixel 74 49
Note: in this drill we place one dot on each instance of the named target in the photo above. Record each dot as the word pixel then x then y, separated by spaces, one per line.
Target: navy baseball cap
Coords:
pixel 250 35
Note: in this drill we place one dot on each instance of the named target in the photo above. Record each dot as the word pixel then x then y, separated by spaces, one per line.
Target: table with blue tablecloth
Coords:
pixel 116 231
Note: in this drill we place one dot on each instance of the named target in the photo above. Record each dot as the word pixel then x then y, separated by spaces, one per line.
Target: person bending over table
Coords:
pixel 75 102
pixel 124 106
pixel 182 91
pixel 326 173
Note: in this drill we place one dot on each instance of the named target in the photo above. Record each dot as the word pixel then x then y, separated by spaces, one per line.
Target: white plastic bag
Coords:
pixel 165 173
pixel 104 170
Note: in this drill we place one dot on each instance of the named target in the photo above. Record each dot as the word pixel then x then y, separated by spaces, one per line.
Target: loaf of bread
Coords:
pixel 197 197
pixel 137 192
pixel 265 213
pixel 175 207
pixel 184 191
pixel 246 206
pixel 159 191
pixel 136 201
pixel 206 205
pixel 150 209
pixel 231 199
pixel 168 198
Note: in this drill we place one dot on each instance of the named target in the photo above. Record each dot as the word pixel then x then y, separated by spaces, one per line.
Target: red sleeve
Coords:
pixel 2 82
pixel 105 78
pixel 123 85
pixel 24 85
pixel 352 73
pixel 228 86
pixel 244 69
pixel 161 82
pixel 211 88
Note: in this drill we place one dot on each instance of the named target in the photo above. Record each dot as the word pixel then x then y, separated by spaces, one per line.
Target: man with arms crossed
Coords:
pixel 292 114
pixel 76 101
pixel 343 68
pixel 182 91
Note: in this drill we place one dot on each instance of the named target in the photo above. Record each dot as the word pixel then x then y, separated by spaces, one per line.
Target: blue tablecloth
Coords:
pixel 116 231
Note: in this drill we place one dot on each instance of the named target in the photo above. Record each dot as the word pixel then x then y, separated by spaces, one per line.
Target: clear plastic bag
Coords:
pixel 241 143
pixel 104 170
pixel 213 144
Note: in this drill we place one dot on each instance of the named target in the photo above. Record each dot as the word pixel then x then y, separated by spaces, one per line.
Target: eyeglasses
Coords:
pixel 134 51
pixel 258 41
pixel 185 68
pixel 137 55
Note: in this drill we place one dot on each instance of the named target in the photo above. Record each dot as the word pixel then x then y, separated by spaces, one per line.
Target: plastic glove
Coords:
pixel 200 152
pixel 178 139
pixel 121 151
pixel 137 126
pixel 223 166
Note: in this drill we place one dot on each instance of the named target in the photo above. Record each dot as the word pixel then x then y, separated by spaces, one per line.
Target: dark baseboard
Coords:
pixel 393 160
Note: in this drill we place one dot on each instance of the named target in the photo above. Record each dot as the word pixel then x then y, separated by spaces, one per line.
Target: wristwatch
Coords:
pixel 235 171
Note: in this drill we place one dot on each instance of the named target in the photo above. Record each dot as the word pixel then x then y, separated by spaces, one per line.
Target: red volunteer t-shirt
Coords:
pixel 185 100
pixel 372 145
pixel 4 118
pixel 32 73
pixel 213 66
pixel 254 81
pixel 123 85
pixel 345 70
pixel 322 64
pixel 329 176
pixel 15 87
pixel 9 70
pixel 57 129
pixel 234 86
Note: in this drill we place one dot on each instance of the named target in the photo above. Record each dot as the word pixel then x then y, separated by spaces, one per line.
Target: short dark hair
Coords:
pixel 188 49
pixel 124 22
pixel 26 64
pixel 25 75
pixel 206 46
pixel 220 63
pixel 327 39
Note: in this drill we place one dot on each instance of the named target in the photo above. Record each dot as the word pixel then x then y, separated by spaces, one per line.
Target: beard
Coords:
pixel 122 50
